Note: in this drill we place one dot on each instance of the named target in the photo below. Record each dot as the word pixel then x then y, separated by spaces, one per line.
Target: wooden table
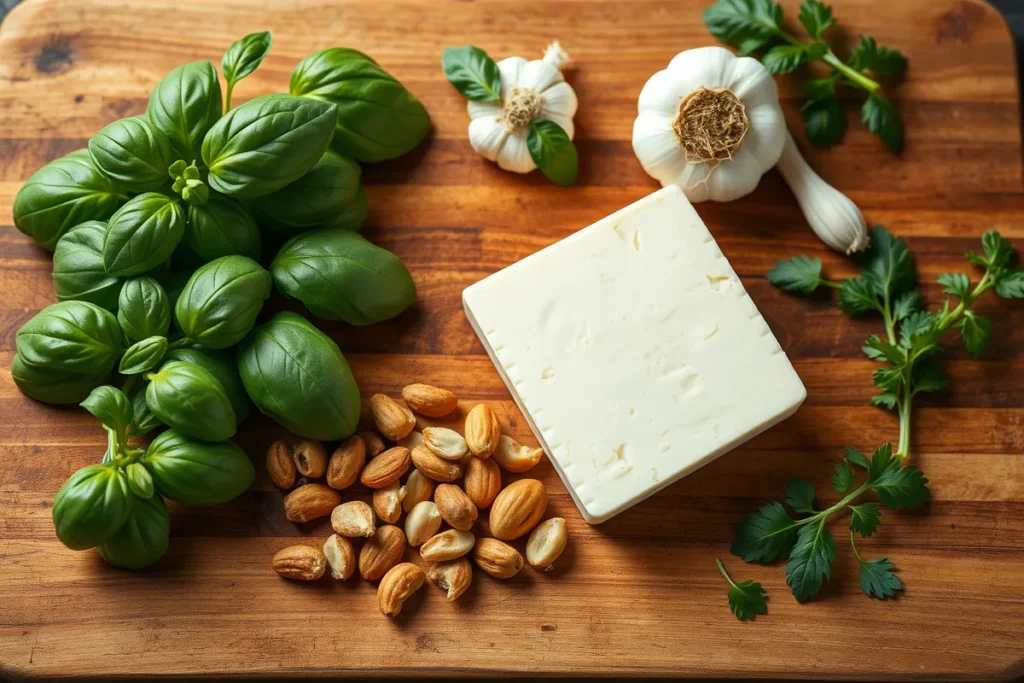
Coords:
pixel 639 594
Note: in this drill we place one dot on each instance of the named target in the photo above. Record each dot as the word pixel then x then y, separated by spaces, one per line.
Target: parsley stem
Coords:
pixel 830 283
pixel 853 546
pixel 890 325
pixel 828 512
pixel 721 568
pixel 903 447
pixel 850 73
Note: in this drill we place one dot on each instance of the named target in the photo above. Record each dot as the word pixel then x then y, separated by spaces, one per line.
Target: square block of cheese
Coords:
pixel 634 352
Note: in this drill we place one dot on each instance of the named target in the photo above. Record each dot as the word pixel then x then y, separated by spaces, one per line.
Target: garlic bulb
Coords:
pixel 529 90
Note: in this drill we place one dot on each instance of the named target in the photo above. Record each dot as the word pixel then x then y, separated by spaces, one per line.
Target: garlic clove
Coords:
pixel 661 95
pixel 735 179
pixel 514 155
pixel 510 69
pixel 487 136
pixel 556 55
pixel 479 109
pixel 767 133
pixel 752 83
pixel 656 147
pixel 692 178
pixel 539 75
pixel 559 100
pixel 706 66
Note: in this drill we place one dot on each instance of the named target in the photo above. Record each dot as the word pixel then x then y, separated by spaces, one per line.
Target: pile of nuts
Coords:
pixel 433 462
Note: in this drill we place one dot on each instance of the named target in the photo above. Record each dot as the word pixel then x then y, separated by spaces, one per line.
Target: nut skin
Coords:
pixel 517 509
pixel 346 463
pixel 453 576
pixel 546 543
pixel 341 558
pixel 498 559
pixel 300 562
pixel 455 506
pixel 515 457
pixel 447 545
pixel 387 502
pixel 397 586
pixel 429 400
pixel 482 430
pixel 310 501
pixel 353 519
pixel 310 458
pixel 386 468
pixel 418 487
pixel 483 481
pixel 393 420
pixel 381 552
pixel 374 444
pixel 435 467
pixel 280 465
pixel 444 442
pixel 421 523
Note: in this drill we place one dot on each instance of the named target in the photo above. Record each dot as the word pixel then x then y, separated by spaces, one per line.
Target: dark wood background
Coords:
pixel 639 594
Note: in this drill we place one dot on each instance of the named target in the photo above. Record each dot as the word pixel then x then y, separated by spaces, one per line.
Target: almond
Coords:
pixel 455 506
pixel 393 420
pixel 421 523
pixel 428 400
pixel 353 519
pixel 546 544
pixel 386 468
pixel 381 552
pixel 482 431
pixel 310 501
pixel 453 576
pixel 397 586
pixel 411 440
pixel 341 558
pixel 418 488
pixel 310 458
pixel 434 466
pixel 346 463
pixel 300 562
pixel 483 481
pixel 445 442
pixel 514 457
pixel 498 559
pixel 447 545
pixel 518 508
pixel 387 502
pixel 374 444
pixel 280 465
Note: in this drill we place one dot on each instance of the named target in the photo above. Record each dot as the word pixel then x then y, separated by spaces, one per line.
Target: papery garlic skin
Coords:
pixel 658 149
pixel 541 88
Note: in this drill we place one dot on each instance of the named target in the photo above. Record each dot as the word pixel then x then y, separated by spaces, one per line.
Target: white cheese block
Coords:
pixel 634 352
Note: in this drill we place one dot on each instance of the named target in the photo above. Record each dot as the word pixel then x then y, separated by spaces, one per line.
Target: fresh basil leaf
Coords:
pixel 54 386
pixel 377 118
pixel 62 194
pixel 139 480
pixel 810 562
pixel 143 420
pixel 110 406
pixel 221 365
pixel 880 116
pixel 857 295
pixel 887 399
pixel 315 199
pixel 338 275
pixel 798 274
pixel 800 495
pixel 782 59
pixel 78 272
pixel 824 120
pixel 472 72
pixel 133 153
pixel 1010 284
pixel 221 300
pixel 816 17
pixel 765 535
pixel 864 519
pixel 957 284
pixel 142 234
pixel 296 375
pixel 197 473
pixel 883 61
pixel 553 152
pixel 184 106
pixel 143 310
pixel 191 400
pixel 843 480
pixel 748 25
pixel 244 56
pixel 267 143
pixel 855 457
pixel 144 537
pixel 352 216
pixel 976 332
pixel 222 227
pixel 72 337
pixel 143 356
pixel 91 506
pixel 877 579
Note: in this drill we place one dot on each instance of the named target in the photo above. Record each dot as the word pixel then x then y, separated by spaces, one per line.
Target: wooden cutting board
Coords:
pixel 639 594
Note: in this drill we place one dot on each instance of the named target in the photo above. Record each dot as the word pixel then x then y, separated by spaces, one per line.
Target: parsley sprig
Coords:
pixel 757 26
pixel 746 598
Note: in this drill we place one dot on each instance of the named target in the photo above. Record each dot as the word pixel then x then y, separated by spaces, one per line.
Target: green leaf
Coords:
pixel 914 326
pixel 111 407
pixel 78 271
pixel 880 116
pixel 220 302
pixel 329 189
pixel 886 399
pixel 884 349
pixel 881 60
pixel 143 356
pixel 976 332
pixel 244 55
pixel 907 303
pixel 184 106
pixel 798 274
pixel 143 419
pixel 144 537
pixel 887 264
pixel 91 506
pixel 877 579
pixel 872 353
pixel 824 120
pixel 783 59
pixel 957 284
pixel 810 562
pixel 816 17
pixel 472 72
pixel 765 535
pixel 998 249
pixel 132 153
pixel 746 598
pixel 225 227
pixel 898 486
pixel 553 152
pixel 73 337
pixel 881 459
pixel 843 480
pixel 143 309
pixel 864 519
pixel 142 234
pixel 747 25
pixel 857 295
pixel 55 386
pixel 192 400
pixel 927 376
pixel 1010 284
pixel 139 480
pixel 857 458
pixel 800 495
pixel 887 378
pixel 195 472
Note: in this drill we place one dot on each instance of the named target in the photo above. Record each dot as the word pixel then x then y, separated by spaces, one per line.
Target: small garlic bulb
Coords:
pixel 529 90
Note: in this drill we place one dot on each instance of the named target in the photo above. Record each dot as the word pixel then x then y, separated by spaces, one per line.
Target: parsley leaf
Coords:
pixel 887 378
pixel 880 116
pixel 1010 284
pixel 857 458
pixel 765 535
pixel 957 284
pixel 843 480
pixel 800 495
pixel 857 295
pixel 810 562
pixel 888 263
pixel 798 274
pixel 864 518
pixel 883 61
pixel 746 598
pixel 901 486
pixel 976 332
pixel 886 399
pixel 917 324
pixel 824 119
pixel 927 375
pixel 782 59
pixel 816 17
pixel 747 25
pixel 881 349
pixel 880 460
pixel 906 303
pixel 998 249
pixel 877 579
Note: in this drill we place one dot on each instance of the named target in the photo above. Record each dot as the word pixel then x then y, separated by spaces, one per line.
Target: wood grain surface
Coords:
pixel 639 594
